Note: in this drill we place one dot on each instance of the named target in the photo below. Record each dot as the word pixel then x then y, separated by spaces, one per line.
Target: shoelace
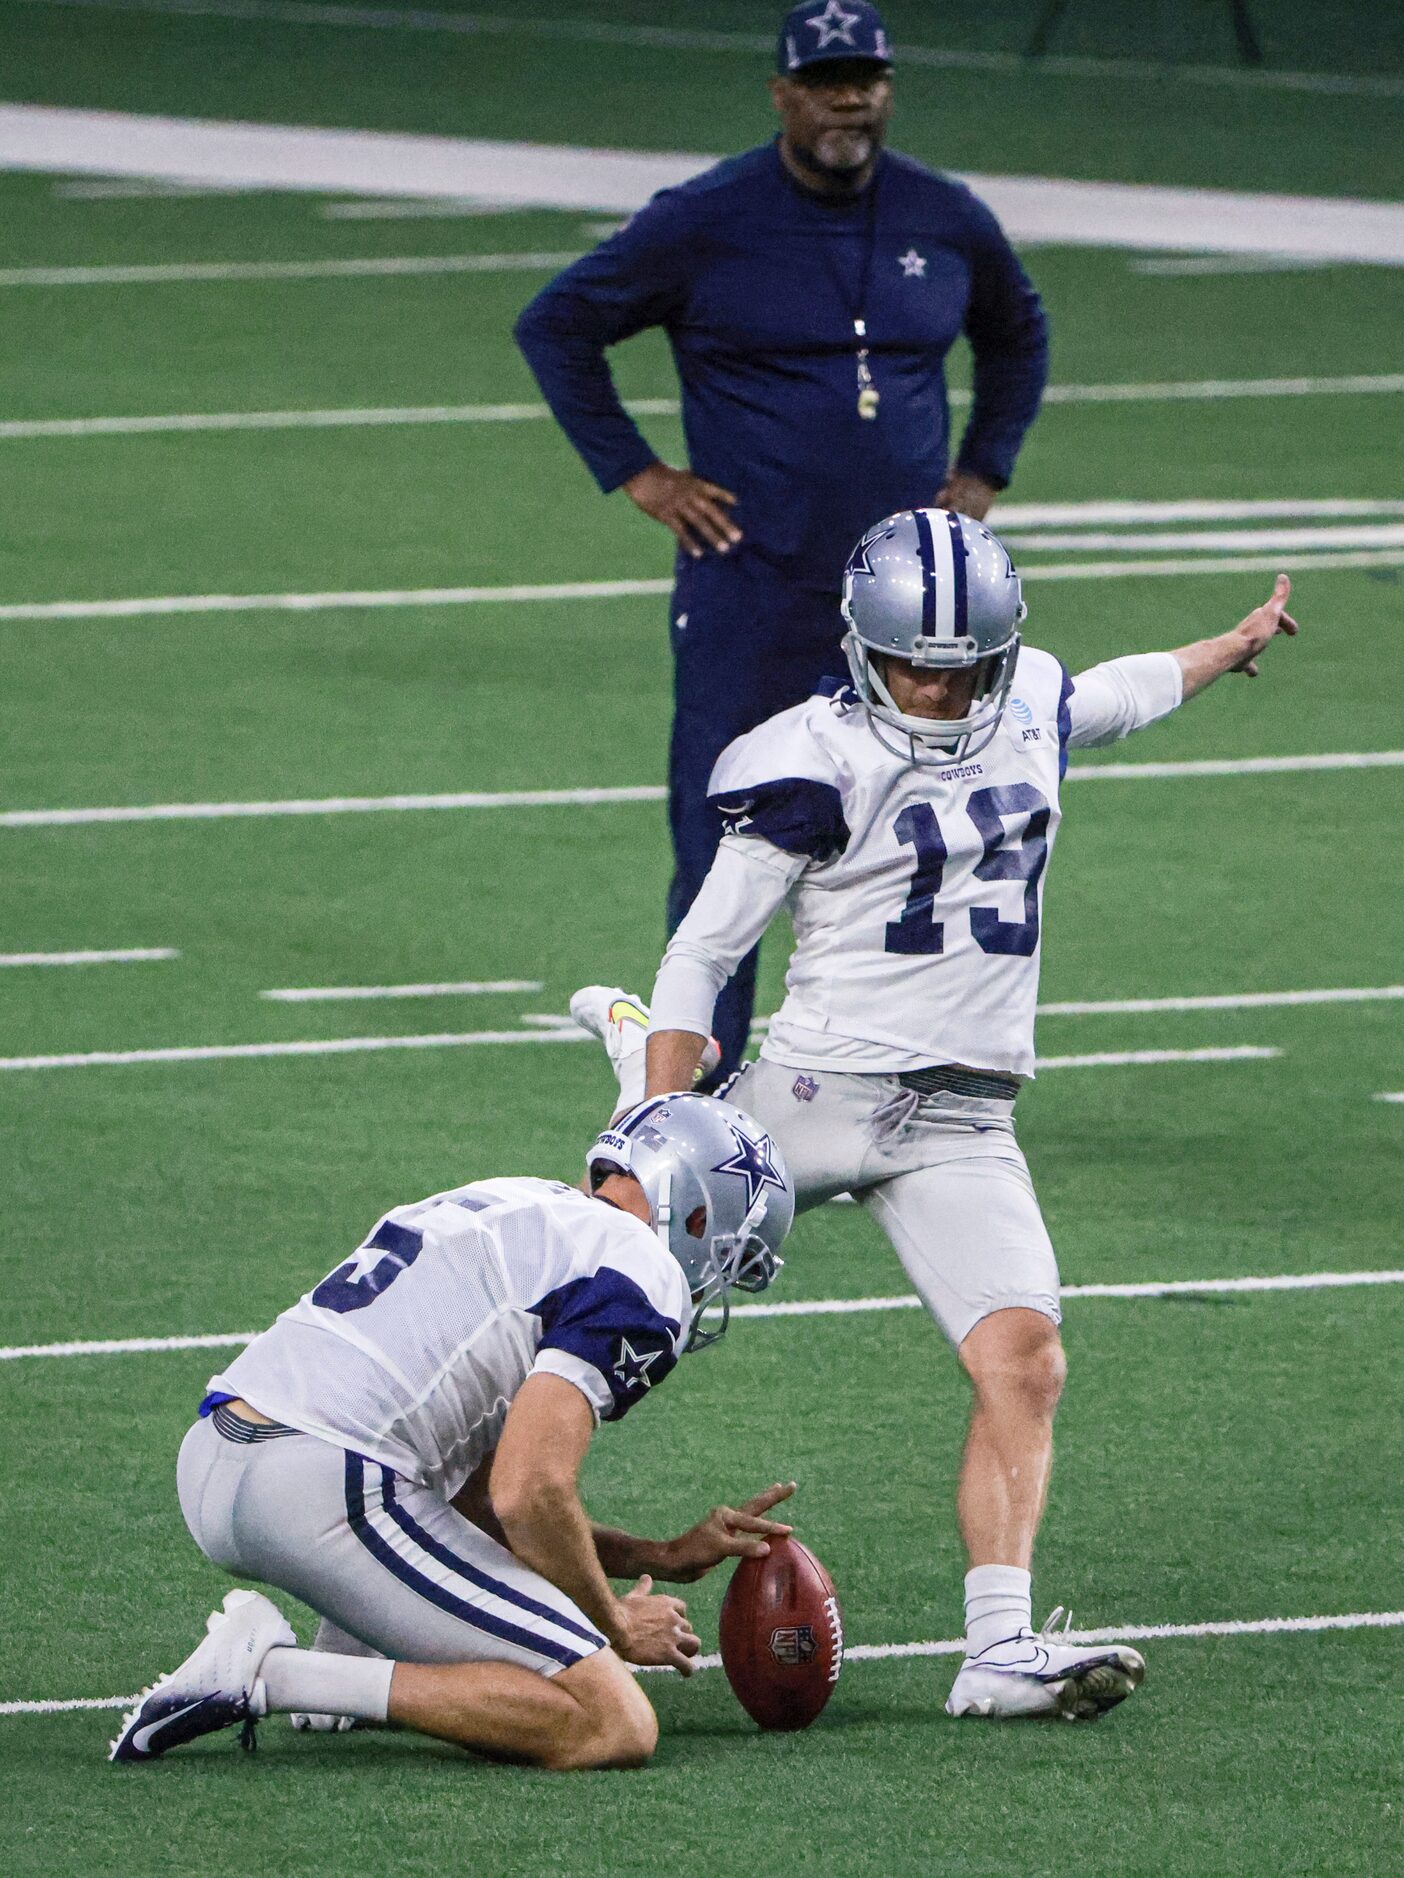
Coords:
pixel 1052 1630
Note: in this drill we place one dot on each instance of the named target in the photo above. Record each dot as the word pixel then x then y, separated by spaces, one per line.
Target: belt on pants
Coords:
pixel 952 1079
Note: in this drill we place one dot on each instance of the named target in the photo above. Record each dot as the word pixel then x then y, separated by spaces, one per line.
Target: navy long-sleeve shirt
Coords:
pixel 757 282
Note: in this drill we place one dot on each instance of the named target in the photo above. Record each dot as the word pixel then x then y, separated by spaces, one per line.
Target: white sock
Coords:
pixel 340 1642
pixel 319 1683
pixel 997 1605
pixel 633 1075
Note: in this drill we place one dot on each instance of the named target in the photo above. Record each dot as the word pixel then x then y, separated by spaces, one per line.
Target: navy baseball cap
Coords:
pixel 821 31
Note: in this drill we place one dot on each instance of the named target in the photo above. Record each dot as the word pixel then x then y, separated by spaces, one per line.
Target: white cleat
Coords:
pixel 215 1685
pixel 321 1724
pixel 621 1022
pixel 1037 1677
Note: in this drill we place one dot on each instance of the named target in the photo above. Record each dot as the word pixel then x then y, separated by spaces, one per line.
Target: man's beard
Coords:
pixel 840 154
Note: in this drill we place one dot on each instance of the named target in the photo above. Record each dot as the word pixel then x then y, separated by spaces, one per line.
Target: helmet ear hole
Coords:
pixel 697 1222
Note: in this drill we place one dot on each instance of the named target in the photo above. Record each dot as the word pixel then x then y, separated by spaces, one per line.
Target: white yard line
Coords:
pixel 321 1046
pixel 896 1652
pixel 16 430
pixel 1029 515
pixel 1254 541
pixel 1230 766
pixel 378 163
pixel 365 267
pixel 380 598
pixel 1232 1001
pixel 326 994
pixel 1040 515
pixel 338 805
pixel 1114 1059
pixel 416 210
pixel 1172 391
pixel 126 955
pixel 1391 1095
pixel 690 39
pixel 807 1307
pixel 646 792
pixel 321 602
pixel 456 1040
pixel 1228 564
pixel 1196 264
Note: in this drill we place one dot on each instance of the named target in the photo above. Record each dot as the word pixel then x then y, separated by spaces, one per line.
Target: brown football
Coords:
pixel 782 1636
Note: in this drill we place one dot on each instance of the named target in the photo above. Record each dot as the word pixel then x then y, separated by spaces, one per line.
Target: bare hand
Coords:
pixel 1250 635
pixel 966 494
pixel 655 1629
pixel 695 510
pixel 727 1532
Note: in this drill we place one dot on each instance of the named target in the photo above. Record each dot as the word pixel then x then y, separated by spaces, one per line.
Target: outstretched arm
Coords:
pixel 1237 651
pixel 1111 700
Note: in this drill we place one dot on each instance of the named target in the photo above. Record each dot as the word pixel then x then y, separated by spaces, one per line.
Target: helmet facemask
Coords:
pixel 934 741
pixel 938 591
pixel 739 1261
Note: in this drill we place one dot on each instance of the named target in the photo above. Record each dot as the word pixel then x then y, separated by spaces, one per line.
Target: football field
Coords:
pixel 327 671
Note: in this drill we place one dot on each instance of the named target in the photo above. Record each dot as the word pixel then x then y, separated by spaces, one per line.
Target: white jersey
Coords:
pixel 915 891
pixel 411 1352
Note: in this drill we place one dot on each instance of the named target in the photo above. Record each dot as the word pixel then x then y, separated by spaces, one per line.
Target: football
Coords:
pixel 782 1636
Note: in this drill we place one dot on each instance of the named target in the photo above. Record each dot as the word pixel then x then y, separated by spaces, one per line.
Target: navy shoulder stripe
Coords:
pixel 794 813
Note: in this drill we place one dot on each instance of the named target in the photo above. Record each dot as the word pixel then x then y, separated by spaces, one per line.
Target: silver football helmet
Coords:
pixel 938 589
pixel 691 1152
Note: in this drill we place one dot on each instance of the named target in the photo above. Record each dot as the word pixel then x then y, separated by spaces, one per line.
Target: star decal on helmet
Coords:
pixel 753 1163
pixel 834 25
pixel 632 1366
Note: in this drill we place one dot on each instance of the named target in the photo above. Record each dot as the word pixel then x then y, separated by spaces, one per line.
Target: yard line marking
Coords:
pixel 453 1040
pixel 1084 514
pixel 323 994
pixel 646 792
pixel 16 430
pixel 119 274
pixel 129 1346
pixel 893 1652
pixel 1229 564
pixel 375 599
pixel 1348 385
pixel 1029 515
pixel 126 955
pixel 417 209
pixel 693 39
pixel 321 602
pixel 1154 1288
pixel 1230 766
pixel 143 188
pixel 1146 217
pixel 1394 1095
pixel 811 1307
pixel 336 805
pixel 1232 1001
pixel 1215 540
pixel 1114 1059
pixel 320 1046
pixel 1231 264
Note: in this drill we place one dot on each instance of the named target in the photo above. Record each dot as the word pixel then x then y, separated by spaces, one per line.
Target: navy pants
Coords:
pixel 746 644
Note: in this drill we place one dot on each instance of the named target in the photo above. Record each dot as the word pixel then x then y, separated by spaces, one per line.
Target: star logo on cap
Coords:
pixel 633 1366
pixel 752 1161
pixel 912 264
pixel 834 26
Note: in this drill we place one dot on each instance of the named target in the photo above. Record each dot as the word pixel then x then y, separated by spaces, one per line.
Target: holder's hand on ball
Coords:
pixel 726 1532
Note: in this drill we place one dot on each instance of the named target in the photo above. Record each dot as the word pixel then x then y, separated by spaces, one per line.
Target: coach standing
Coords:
pixel 811 290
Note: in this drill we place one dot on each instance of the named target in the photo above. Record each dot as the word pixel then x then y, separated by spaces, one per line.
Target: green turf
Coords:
pixel 1220 1458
